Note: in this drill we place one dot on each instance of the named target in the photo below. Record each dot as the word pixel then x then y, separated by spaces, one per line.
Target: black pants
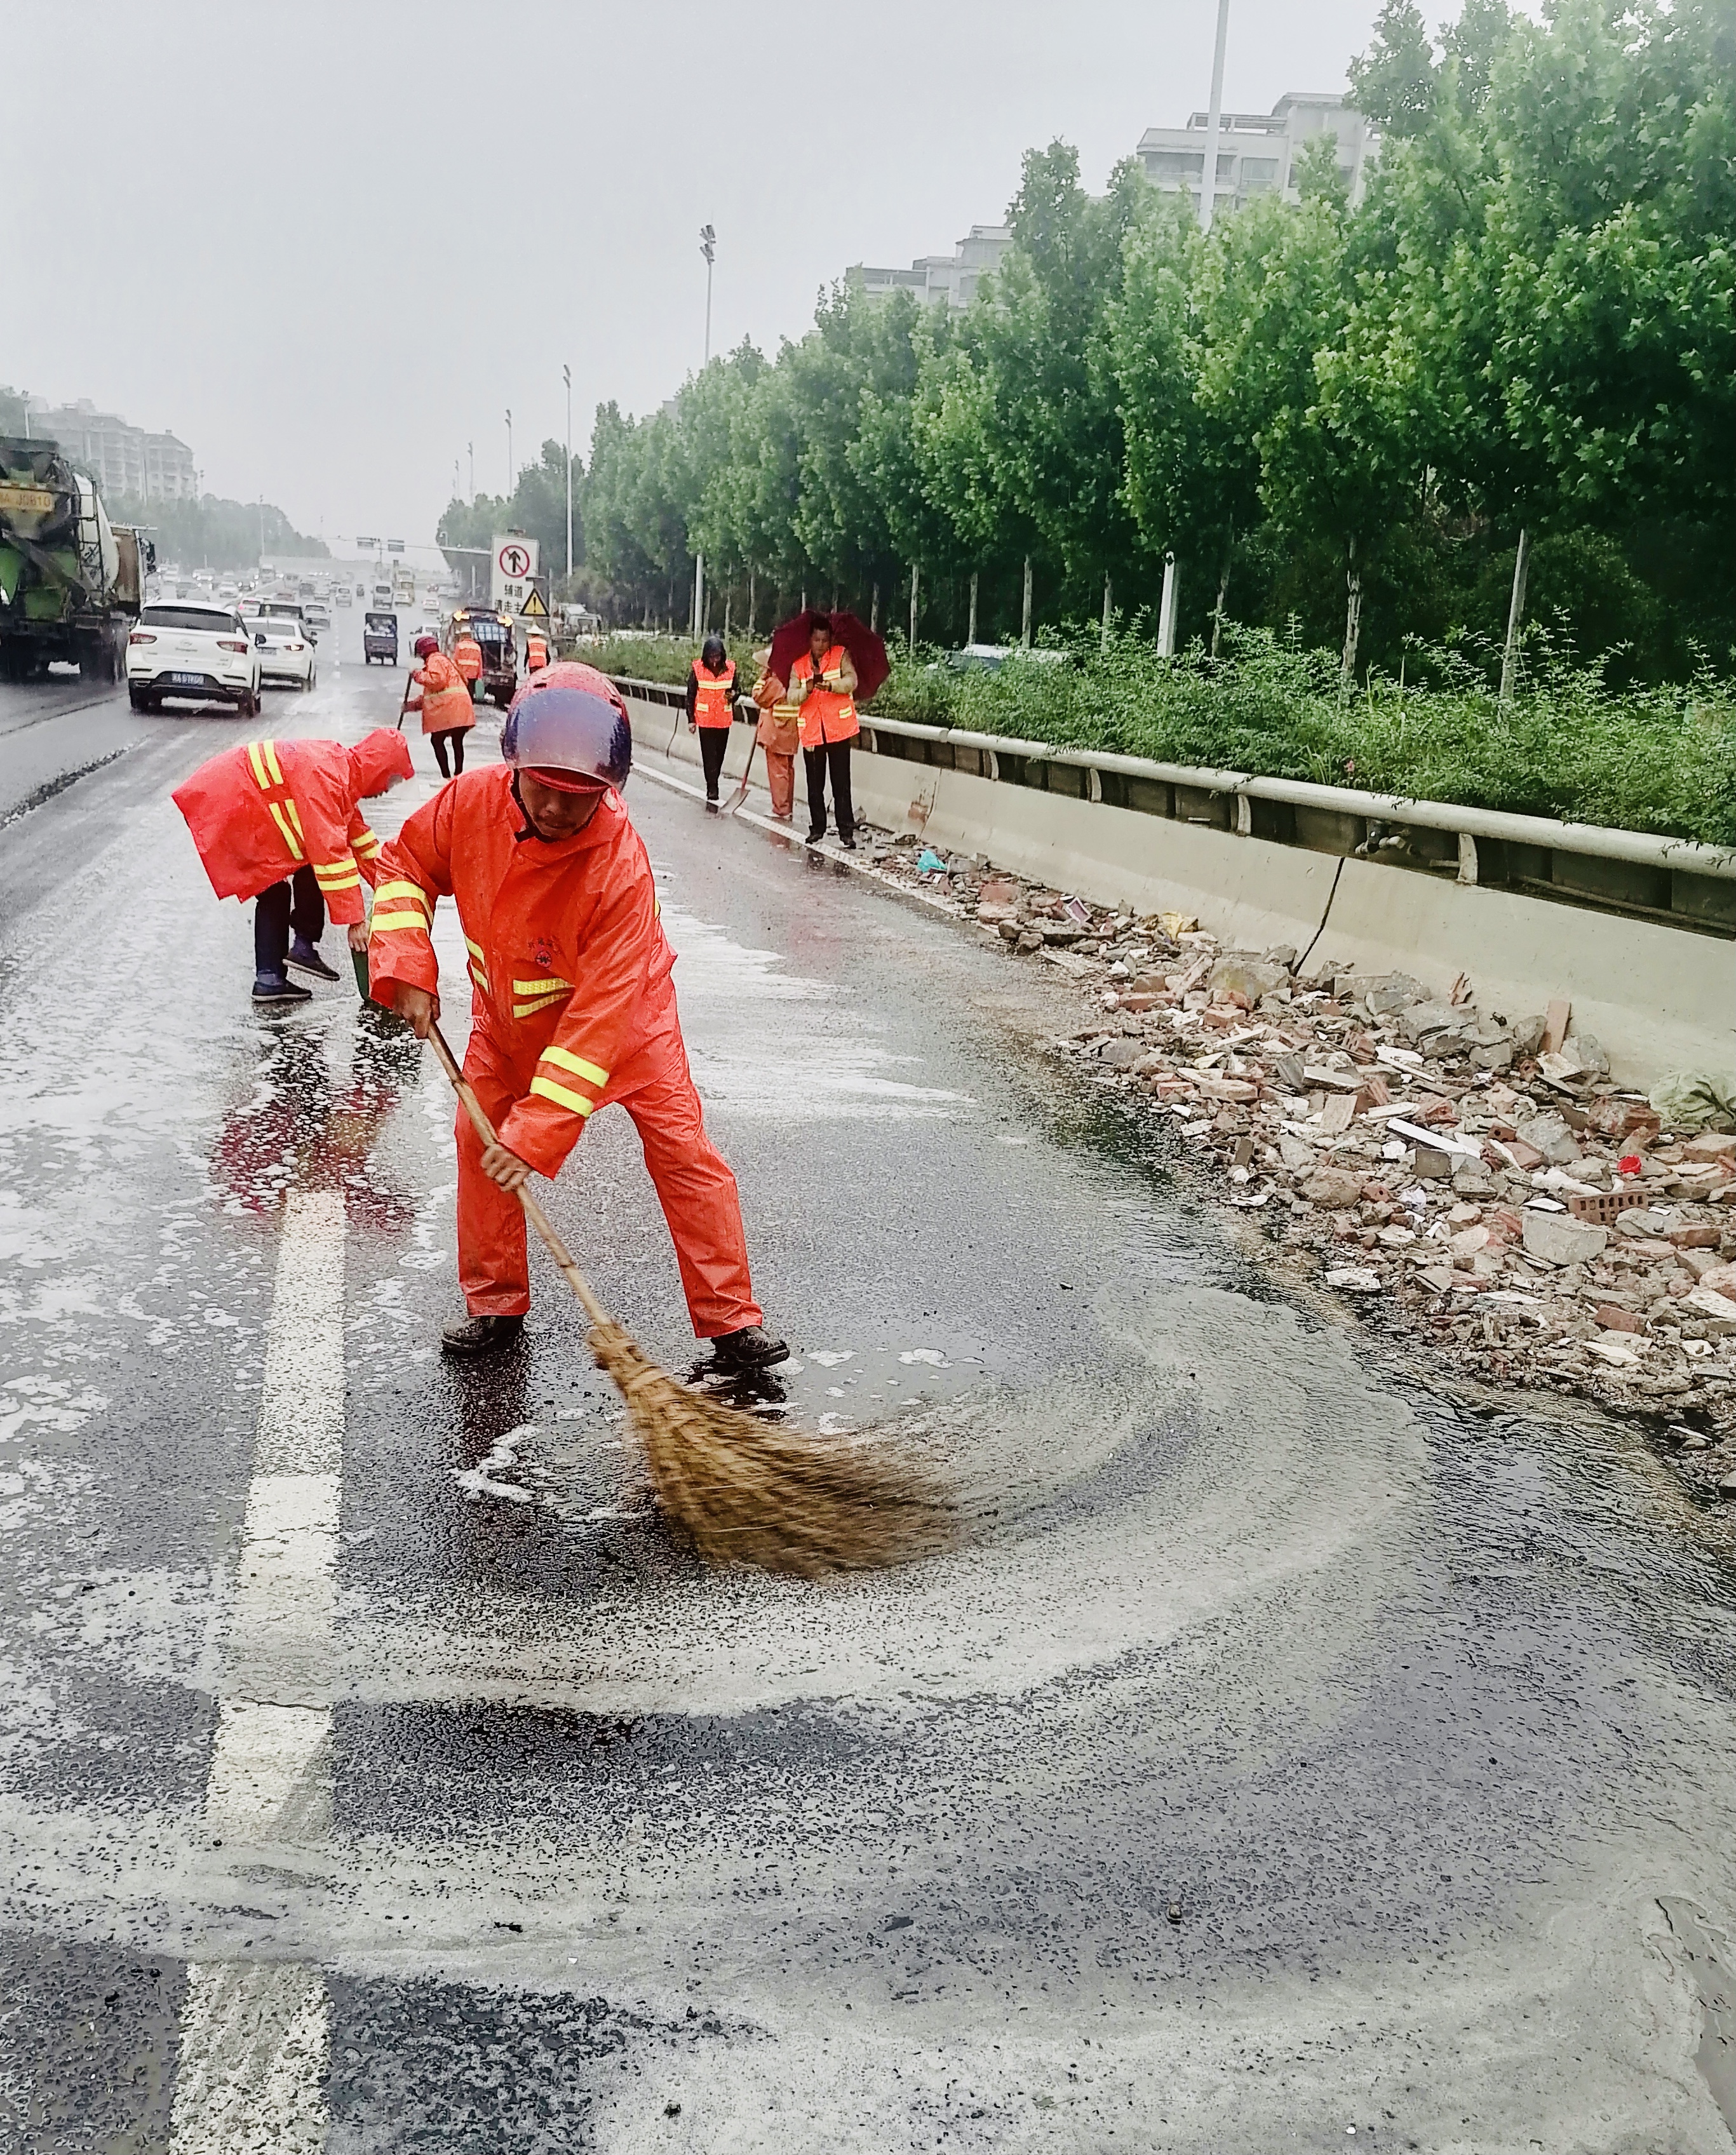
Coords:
pixel 836 754
pixel 286 908
pixel 714 747
pixel 455 735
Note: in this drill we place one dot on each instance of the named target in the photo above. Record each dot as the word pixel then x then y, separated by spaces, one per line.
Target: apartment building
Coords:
pixel 123 459
pixel 1257 152
pixel 939 280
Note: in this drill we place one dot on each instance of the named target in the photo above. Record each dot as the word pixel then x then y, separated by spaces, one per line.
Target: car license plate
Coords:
pixel 189 680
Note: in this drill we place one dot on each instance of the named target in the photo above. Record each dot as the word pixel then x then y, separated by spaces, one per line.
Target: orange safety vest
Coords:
pixel 780 728
pixel 828 715
pixel 467 654
pixel 446 705
pixel 714 705
pixel 536 653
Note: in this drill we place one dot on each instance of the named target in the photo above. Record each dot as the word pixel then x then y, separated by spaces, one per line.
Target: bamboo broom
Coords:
pixel 741 1490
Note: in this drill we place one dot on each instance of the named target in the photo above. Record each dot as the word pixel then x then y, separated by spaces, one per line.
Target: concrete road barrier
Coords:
pixel 1659 996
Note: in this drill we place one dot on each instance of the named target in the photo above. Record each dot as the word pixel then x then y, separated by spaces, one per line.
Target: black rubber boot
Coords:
pixel 306 959
pixel 279 988
pixel 481 1335
pixel 752 1347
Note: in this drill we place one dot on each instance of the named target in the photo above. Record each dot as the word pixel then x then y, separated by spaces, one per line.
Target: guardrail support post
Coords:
pixel 1244 816
pixel 1094 779
pixel 1468 857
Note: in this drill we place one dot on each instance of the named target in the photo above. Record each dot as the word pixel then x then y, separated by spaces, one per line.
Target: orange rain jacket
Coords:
pixel 446 706
pixel 259 813
pixel 543 1055
pixel 537 919
pixel 711 697
pixel 467 657
pixel 828 713
pixel 780 728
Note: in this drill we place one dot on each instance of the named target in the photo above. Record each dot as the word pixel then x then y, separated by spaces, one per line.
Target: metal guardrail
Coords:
pixel 1675 880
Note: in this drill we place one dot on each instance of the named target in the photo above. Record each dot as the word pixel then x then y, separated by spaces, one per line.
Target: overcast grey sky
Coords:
pixel 328 245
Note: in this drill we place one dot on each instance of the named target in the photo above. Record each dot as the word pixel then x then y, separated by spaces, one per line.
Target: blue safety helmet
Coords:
pixel 569 722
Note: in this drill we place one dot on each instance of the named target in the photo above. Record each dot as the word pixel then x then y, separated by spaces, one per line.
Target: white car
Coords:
pixel 316 615
pixel 286 650
pixel 191 648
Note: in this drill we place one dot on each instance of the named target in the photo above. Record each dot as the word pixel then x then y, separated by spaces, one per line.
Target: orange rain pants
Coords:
pixel 693 1181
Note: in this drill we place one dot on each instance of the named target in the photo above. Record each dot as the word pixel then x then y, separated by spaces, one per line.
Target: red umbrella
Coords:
pixel 868 653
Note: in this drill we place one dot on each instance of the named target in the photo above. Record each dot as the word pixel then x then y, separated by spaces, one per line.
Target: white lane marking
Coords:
pixel 255 2037
pixel 254 2045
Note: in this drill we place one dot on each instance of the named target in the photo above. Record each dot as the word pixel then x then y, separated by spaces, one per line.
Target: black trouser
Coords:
pixel 284 909
pixel 455 734
pixel 836 754
pixel 714 747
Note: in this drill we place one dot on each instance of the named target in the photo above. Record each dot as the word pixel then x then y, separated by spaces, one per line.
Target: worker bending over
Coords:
pixel 279 820
pixel 571 1004
pixel 448 713
pixel 711 709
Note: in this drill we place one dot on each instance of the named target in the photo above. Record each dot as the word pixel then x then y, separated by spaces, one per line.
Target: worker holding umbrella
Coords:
pixel 828 660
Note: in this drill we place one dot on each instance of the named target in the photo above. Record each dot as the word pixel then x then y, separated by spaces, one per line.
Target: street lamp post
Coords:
pixel 1214 120
pixel 708 247
pixel 511 477
pixel 471 447
pixel 567 377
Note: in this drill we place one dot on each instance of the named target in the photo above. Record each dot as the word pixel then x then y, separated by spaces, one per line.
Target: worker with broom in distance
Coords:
pixel 572 1006
pixel 280 821
pixel 711 709
pixel 444 701
pixel 822 687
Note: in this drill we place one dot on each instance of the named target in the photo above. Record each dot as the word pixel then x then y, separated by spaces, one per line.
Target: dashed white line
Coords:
pixel 254 2037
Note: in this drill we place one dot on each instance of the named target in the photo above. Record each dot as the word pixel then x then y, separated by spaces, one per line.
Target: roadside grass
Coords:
pixel 1657 759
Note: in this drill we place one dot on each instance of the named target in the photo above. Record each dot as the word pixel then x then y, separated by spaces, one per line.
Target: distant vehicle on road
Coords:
pixel 317 615
pixel 341 597
pixel 493 631
pixel 285 649
pixel 383 595
pixel 380 638
pixel 189 647
pixel 281 610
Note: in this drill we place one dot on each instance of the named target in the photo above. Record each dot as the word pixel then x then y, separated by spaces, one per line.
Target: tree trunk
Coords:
pixel 1515 617
pixel 971 633
pixel 1106 594
pixel 1025 631
pixel 913 605
pixel 749 606
pixel 729 601
pixel 1353 614
pixel 1223 592
pixel 1166 610
pixel 874 613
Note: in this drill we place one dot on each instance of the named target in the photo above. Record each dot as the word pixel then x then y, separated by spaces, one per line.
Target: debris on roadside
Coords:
pixel 1473 1175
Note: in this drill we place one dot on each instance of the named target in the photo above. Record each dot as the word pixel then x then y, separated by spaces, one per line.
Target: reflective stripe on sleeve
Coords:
pixel 549 1090
pixel 410 890
pixel 364 845
pixel 272 763
pixel 383 921
pixel 565 1060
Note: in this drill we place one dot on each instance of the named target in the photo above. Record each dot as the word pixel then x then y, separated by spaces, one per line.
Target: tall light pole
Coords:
pixel 708 247
pixel 1214 120
pixel 567 377
pixel 511 476
pixel 471 447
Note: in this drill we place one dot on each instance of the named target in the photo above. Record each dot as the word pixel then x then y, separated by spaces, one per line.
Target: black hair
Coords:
pixel 711 643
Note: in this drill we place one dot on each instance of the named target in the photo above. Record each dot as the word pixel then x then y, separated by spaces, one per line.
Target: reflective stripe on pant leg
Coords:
pixel 493 1265
pixel 694 1186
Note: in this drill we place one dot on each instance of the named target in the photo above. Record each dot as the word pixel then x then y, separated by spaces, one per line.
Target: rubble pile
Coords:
pixel 1473 1172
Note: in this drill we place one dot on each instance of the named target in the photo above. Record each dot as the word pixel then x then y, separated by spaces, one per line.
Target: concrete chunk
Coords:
pixel 1557 1238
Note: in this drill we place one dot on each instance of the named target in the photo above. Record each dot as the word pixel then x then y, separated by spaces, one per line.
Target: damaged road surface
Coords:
pixel 1292 1750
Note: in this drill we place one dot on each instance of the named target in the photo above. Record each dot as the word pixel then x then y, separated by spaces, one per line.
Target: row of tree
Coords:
pixel 1513 360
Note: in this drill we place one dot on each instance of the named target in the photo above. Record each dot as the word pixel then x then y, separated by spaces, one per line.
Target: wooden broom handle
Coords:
pixel 533 1212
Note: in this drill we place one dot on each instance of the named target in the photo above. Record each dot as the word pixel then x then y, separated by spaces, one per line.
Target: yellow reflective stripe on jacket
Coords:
pixel 333 874
pixel 579 1066
pixel 549 1090
pixel 412 890
pixel 287 835
pixel 550 985
pixel 364 845
pixel 382 921
pixel 276 768
pixel 256 757
pixel 476 951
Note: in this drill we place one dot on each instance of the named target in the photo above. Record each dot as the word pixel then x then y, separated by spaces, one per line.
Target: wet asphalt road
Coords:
pixel 1295 1752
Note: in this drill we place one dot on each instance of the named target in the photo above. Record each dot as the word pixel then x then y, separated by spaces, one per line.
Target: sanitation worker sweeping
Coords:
pixel 572 1009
